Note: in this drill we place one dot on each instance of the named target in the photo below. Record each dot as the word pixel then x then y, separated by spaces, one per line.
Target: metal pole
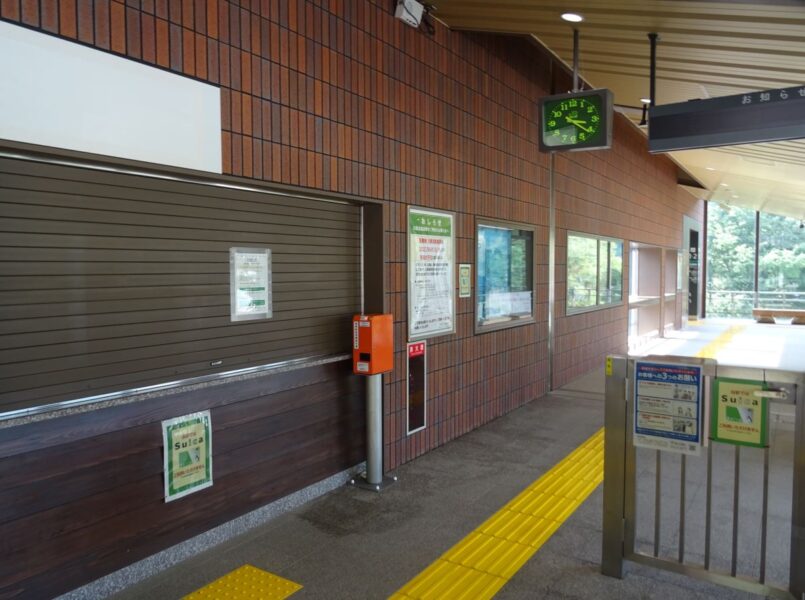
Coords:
pixel 551 262
pixel 703 261
pixel 612 549
pixel 374 430
pixel 652 38
pixel 735 506
pixel 797 572
pixel 575 60
pixel 661 324
pixel 764 523
pixel 756 302
pixel 709 506
pixel 657 504
pixel 682 509
pixel 630 477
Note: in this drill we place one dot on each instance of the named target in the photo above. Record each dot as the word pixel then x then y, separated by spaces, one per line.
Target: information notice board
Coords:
pixel 431 274
pixel 187 443
pixel 250 283
pixel 739 412
pixel 668 407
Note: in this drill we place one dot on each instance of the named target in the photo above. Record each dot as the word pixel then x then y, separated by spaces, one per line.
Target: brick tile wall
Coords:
pixel 339 96
pixel 621 193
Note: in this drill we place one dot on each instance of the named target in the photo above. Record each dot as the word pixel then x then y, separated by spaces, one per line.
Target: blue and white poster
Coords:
pixel 668 407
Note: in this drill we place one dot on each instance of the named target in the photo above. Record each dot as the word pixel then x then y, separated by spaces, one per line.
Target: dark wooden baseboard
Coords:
pixel 82 495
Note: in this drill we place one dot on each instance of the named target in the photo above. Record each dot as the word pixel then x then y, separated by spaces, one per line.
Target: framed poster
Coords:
pixel 431 274
pixel 464 281
pixel 187 442
pixel 739 412
pixel 417 390
pixel 668 407
pixel 250 283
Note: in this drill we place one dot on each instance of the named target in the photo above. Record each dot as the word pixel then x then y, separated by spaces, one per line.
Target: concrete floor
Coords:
pixel 354 544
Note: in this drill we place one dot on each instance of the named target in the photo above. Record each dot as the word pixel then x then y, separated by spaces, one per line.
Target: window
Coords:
pixel 505 279
pixel 732 260
pixel 594 272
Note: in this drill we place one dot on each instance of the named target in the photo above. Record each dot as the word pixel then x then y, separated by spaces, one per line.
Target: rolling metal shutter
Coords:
pixel 112 281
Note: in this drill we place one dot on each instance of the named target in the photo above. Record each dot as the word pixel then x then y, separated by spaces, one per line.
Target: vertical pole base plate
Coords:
pixel 360 482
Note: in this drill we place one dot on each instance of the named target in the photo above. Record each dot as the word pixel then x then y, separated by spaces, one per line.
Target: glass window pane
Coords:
pixel 504 277
pixel 730 261
pixel 781 270
pixel 594 272
pixel 582 271
pixel 616 272
pixel 603 272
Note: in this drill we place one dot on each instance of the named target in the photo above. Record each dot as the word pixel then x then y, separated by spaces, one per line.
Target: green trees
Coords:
pixel 594 271
pixel 731 261
pixel 782 255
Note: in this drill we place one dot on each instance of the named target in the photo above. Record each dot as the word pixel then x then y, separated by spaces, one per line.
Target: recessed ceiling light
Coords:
pixel 723 185
pixel 710 168
pixel 735 196
pixel 645 100
pixel 572 17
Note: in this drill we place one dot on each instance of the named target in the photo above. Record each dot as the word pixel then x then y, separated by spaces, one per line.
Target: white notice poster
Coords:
pixel 431 275
pixel 250 283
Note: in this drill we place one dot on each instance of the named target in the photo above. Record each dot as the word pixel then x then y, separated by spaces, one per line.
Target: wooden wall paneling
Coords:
pixel 32 491
pixel 113 521
pixel 57 431
pixel 286 474
pixel 259 444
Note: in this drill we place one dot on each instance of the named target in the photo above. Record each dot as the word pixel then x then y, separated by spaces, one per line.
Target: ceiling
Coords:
pixel 706 50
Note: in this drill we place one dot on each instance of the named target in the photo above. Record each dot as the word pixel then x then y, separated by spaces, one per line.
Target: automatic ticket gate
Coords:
pixel 704 472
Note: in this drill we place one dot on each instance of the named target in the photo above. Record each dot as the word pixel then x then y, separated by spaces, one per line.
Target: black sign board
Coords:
pixel 693 274
pixel 743 119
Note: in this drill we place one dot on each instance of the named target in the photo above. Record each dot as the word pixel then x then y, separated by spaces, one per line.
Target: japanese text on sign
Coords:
pixel 739 413
pixel 668 412
pixel 188 454
pixel 431 291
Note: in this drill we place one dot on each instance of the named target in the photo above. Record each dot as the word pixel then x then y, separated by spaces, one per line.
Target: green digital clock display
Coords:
pixel 576 121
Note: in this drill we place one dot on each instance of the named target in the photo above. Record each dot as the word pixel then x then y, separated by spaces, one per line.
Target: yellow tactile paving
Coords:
pixel 480 564
pixel 246 583
pixel 712 349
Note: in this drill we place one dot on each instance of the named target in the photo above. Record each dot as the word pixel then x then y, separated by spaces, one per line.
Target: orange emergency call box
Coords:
pixel 372 344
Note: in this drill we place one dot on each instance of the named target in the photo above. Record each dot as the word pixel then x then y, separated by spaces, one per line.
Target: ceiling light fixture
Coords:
pixel 645 100
pixel 572 17
pixel 723 185
pixel 710 168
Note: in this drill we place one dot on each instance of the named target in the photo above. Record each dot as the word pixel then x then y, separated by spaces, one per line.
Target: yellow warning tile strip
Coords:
pixel 480 564
pixel 712 349
pixel 246 583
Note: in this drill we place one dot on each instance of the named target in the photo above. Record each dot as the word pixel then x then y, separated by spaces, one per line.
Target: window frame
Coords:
pixel 512 322
pixel 570 311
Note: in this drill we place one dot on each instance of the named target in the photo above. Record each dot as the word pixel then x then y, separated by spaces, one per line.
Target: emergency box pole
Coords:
pixel 373 355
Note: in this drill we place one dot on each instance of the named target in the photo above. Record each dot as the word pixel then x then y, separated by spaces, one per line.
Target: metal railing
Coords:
pixel 666 546
pixel 737 303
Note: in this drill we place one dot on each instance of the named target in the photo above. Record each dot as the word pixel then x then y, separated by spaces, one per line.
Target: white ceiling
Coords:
pixel 706 50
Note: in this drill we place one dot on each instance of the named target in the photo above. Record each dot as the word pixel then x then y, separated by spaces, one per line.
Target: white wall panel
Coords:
pixel 61 94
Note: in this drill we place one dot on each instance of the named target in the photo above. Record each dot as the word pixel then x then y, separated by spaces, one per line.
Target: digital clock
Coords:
pixel 576 121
